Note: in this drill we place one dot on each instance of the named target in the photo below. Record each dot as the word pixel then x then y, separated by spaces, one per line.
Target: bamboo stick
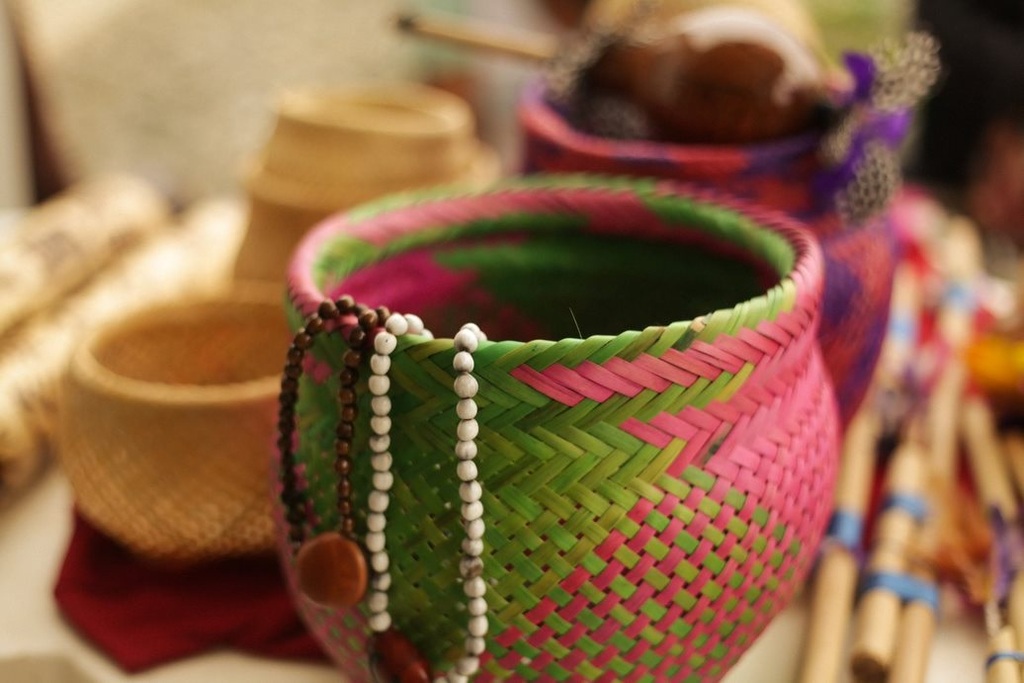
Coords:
pixel 1015 615
pixel 836 582
pixel 831 607
pixel 1013 451
pixel 963 263
pixel 986 459
pixel 916 632
pixel 943 409
pixel 905 309
pixel 1004 670
pixel 521 43
pixel 879 611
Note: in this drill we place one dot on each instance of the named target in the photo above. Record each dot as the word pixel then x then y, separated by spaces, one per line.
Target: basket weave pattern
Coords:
pixel 859 261
pixel 165 419
pixel 652 497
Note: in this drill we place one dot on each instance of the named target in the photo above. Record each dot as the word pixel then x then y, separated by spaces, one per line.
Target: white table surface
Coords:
pixel 36 646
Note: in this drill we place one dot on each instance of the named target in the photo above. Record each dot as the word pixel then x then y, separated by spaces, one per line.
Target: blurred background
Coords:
pixel 181 92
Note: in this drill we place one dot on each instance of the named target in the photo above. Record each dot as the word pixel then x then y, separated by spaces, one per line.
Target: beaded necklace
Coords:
pixel 332 567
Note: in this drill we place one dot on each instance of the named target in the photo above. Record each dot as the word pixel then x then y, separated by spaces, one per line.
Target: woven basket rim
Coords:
pixel 804 279
pixel 86 369
pixel 539 117
pixel 285 192
pixel 334 109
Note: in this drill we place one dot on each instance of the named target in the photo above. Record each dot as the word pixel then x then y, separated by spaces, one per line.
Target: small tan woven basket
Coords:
pixel 166 418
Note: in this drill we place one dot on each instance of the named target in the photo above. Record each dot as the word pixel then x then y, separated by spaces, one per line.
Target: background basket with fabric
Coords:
pixel 653 491
pixel 837 172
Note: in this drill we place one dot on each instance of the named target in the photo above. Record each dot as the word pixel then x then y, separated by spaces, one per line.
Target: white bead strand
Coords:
pixel 471 566
pixel 470 491
pixel 384 345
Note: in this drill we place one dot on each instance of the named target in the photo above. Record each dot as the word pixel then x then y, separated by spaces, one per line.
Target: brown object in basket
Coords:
pixel 167 420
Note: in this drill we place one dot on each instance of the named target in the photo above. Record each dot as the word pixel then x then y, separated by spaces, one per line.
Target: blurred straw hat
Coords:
pixel 331 149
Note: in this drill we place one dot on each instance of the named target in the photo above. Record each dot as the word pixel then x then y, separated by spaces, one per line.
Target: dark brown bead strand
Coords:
pixel 347 415
pixel 368 320
pixel 294 502
pixel 331 568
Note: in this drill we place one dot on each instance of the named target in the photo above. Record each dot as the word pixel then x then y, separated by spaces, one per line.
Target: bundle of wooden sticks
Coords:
pixel 922 536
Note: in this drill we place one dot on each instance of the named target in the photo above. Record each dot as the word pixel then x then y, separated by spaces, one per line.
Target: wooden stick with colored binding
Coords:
pixel 962 265
pixel 838 571
pixel 1015 617
pixel 879 612
pixel 836 582
pixel 1013 450
pixel 1004 670
pixel 901 338
pixel 914 640
pixel 986 459
pixel 989 466
pixel 521 44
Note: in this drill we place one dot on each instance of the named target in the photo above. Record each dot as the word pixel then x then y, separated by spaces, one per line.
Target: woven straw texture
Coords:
pixel 120 85
pixel 34 355
pixel 652 496
pixel 335 148
pixel 859 263
pixel 165 420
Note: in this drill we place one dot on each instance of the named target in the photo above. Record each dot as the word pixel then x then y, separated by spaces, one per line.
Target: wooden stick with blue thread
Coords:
pixel 835 584
pixel 992 480
pixel 916 633
pixel 961 263
pixel 880 609
pixel 1013 452
pixel 962 266
pixel 1003 669
pixel 917 620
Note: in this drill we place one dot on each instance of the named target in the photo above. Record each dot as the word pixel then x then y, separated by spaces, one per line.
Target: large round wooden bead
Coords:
pixel 332 570
pixel 396 660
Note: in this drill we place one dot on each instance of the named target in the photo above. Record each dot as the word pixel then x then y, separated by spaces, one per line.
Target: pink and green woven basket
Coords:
pixel 655 483
pixel 782 175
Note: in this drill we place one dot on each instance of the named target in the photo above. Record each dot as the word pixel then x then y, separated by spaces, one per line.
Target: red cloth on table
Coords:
pixel 142 616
